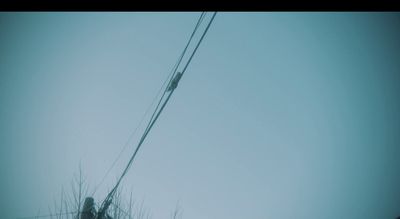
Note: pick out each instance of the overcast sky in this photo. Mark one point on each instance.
(279, 115)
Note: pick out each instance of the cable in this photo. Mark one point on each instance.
(198, 44)
(178, 63)
(107, 200)
(129, 139)
(170, 94)
(170, 77)
(111, 193)
(152, 117)
(151, 122)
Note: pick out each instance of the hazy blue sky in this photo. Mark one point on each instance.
(280, 115)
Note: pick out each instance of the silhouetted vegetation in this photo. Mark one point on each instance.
(71, 204)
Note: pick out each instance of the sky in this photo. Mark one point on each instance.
(279, 115)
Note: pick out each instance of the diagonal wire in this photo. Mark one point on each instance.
(198, 44)
(166, 101)
(108, 199)
(177, 64)
(170, 77)
(151, 123)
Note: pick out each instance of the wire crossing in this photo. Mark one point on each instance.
(108, 200)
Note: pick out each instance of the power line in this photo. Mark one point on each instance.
(107, 200)
(178, 63)
(109, 196)
(126, 144)
(152, 121)
(198, 44)
(170, 77)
